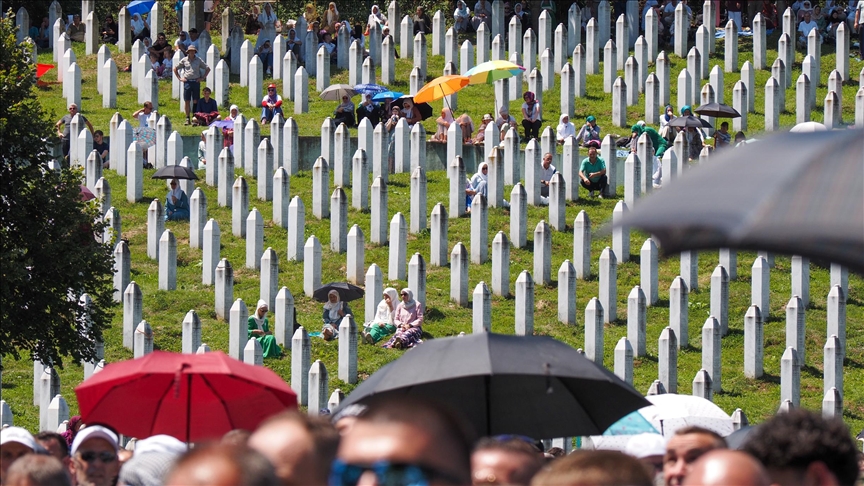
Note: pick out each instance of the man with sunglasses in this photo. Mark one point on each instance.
(404, 440)
(94, 457)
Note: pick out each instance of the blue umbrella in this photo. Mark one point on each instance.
(140, 7)
(631, 424)
(387, 95)
(369, 88)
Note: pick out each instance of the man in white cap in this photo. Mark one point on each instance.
(14, 443)
(649, 449)
(94, 457)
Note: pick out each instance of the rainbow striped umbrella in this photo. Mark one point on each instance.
(491, 71)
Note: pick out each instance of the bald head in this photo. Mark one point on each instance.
(722, 467)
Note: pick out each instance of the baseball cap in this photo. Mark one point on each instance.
(19, 435)
(94, 432)
(272, 85)
(645, 445)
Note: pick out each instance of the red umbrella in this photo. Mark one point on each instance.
(192, 397)
(86, 194)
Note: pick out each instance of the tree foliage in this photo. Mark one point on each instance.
(49, 255)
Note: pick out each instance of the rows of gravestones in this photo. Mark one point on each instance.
(278, 156)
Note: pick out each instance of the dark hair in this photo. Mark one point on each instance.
(101, 134)
(599, 468)
(515, 445)
(719, 441)
(798, 438)
(45, 436)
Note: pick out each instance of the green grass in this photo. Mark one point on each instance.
(165, 310)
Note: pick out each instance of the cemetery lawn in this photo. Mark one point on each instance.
(164, 311)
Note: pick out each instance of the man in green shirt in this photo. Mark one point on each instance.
(592, 173)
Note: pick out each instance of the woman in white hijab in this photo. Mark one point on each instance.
(259, 328)
(480, 180)
(565, 128)
(461, 17)
(408, 319)
(176, 203)
(376, 16)
(334, 310)
(382, 325)
(267, 19)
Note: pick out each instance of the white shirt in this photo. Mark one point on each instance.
(860, 12)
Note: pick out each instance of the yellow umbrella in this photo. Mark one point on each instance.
(440, 87)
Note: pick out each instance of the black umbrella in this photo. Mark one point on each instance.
(174, 172)
(803, 194)
(718, 110)
(347, 292)
(528, 385)
(689, 121)
(425, 108)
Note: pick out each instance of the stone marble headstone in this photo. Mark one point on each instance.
(667, 360)
(301, 350)
(311, 265)
(459, 275)
(608, 285)
(753, 342)
(224, 289)
(396, 269)
(594, 331)
(624, 360)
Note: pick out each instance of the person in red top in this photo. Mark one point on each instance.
(271, 105)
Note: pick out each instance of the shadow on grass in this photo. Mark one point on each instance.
(769, 378)
(433, 314)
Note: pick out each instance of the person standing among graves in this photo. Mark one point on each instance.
(101, 147)
(589, 133)
(547, 170)
(190, 71)
(408, 319)
(267, 19)
(259, 328)
(859, 27)
(176, 203)
(382, 324)
(76, 29)
(65, 123)
(206, 110)
(334, 310)
(390, 126)
(592, 173)
(531, 115)
(209, 7)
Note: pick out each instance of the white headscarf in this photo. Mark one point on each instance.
(565, 130)
(259, 321)
(176, 192)
(461, 9)
(411, 302)
(333, 307)
(480, 176)
(385, 310)
(230, 111)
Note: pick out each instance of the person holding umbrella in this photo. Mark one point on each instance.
(176, 203)
(334, 310)
(259, 328)
(408, 319)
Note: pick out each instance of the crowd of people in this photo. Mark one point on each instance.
(414, 440)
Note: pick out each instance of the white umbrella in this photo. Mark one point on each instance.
(807, 127)
(671, 412)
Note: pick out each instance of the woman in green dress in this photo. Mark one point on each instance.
(382, 325)
(259, 328)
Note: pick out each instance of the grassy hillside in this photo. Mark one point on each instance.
(165, 310)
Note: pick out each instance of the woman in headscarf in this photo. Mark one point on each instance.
(228, 133)
(293, 43)
(411, 113)
(443, 123)
(478, 183)
(368, 109)
(589, 133)
(480, 138)
(382, 325)
(564, 129)
(668, 115)
(331, 18)
(467, 124)
(531, 115)
(140, 29)
(259, 328)
(72, 429)
(518, 12)
(310, 14)
(334, 310)
(408, 319)
(344, 113)
(176, 203)
(461, 17)
(390, 126)
(267, 19)
(376, 16)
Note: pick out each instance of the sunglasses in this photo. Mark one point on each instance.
(104, 456)
(388, 474)
(173, 183)
(403, 294)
